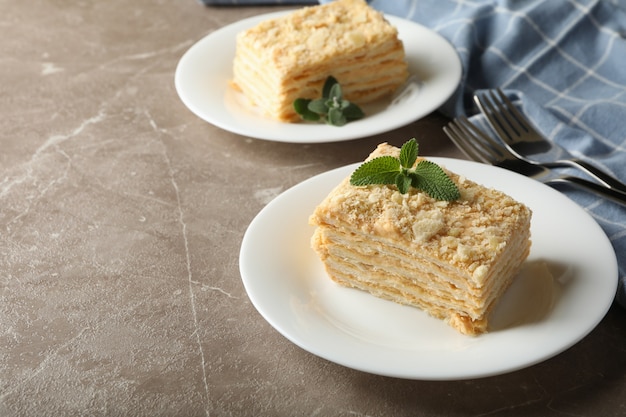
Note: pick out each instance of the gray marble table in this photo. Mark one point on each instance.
(121, 218)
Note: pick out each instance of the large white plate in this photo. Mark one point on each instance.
(204, 71)
(286, 283)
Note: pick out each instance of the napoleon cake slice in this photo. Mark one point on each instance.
(453, 259)
(290, 57)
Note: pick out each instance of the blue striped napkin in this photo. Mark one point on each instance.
(563, 60)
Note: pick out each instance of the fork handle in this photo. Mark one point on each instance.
(616, 196)
(597, 173)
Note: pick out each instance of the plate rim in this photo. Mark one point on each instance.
(600, 311)
(306, 133)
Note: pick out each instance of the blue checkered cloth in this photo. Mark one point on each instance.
(564, 61)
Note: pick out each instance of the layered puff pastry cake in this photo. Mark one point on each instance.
(290, 57)
(453, 259)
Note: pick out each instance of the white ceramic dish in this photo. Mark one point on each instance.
(204, 71)
(286, 282)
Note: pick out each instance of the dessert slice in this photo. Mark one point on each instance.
(290, 57)
(453, 259)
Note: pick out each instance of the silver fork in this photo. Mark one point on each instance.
(477, 145)
(521, 138)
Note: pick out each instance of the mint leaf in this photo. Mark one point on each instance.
(335, 93)
(408, 153)
(430, 178)
(353, 112)
(336, 117)
(301, 106)
(318, 106)
(403, 182)
(331, 107)
(381, 170)
(389, 170)
(328, 85)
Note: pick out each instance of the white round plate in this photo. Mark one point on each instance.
(205, 70)
(286, 283)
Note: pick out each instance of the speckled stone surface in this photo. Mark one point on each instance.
(121, 218)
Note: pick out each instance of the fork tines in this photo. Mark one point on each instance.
(473, 142)
(502, 114)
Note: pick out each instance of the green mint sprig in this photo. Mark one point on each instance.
(331, 108)
(425, 176)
